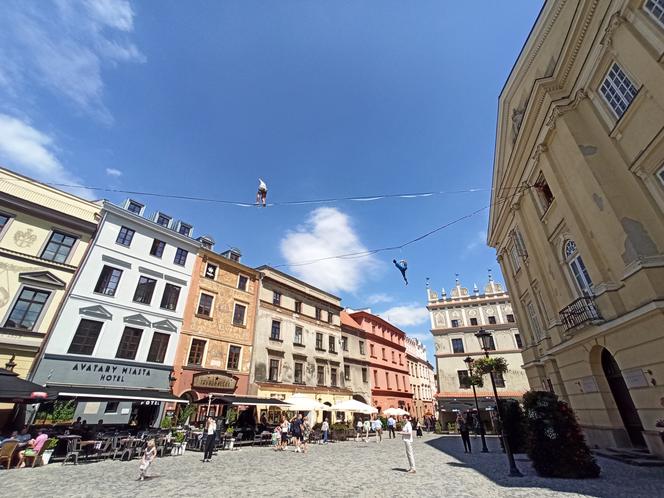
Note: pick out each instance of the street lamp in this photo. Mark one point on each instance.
(486, 344)
(469, 363)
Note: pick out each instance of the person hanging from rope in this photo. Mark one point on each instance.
(402, 266)
(261, 195)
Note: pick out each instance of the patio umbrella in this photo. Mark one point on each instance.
(395, 412)
(302, 403)
(352, 405)
(15, 390)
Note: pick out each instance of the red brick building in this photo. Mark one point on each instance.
(390, 386)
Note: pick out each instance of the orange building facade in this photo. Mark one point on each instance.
(215, 348)
(390, 386)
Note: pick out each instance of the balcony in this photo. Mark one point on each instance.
(578, 312)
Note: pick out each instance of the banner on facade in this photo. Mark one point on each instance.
(214, 381)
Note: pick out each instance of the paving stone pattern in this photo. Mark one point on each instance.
(339, 469)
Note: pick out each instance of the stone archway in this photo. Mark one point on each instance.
(360, 398)
(623, 399)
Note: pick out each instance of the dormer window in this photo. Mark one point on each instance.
(163, 220)
(185, 229)
(135, 207)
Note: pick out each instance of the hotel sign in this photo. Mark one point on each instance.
(214, 381)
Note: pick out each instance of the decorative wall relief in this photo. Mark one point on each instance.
(25, 238)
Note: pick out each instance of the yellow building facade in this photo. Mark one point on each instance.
(577, 212)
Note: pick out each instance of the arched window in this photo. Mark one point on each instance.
(577, 267)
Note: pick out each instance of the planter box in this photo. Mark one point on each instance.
(46, 456)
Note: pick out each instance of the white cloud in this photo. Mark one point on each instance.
(477, 241)
(407, 315)
(379, 298)
(327, 232)
(113, 172)
(63, 46)
(31, 151)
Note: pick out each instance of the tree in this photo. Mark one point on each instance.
(556, 444)
(514, 423)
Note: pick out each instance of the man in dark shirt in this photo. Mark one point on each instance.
(298, 434)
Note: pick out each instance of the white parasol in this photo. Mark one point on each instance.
(395, 412)
(352, 405)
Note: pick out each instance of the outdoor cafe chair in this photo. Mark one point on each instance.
(73, 449)
(7, 453)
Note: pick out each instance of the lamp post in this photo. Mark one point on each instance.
(486, 343)
(469, 363)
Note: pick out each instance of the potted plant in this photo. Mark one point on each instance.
(50, 445)
(180, 443)
(229, 442)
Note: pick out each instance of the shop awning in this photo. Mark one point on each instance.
(102, 393)
(16, 390)
(229, 399)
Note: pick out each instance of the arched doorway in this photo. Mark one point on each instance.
(328, 414)
(623, 399)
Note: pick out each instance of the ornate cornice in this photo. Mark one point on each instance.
(614, 22)
(559, 110)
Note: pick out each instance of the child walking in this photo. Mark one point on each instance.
(148, 457)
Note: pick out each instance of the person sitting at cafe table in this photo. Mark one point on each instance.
(77, 424)
(13, 438)
(33, 449)
(99, 427)
(24, 436)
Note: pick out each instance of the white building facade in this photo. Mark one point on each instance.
(455, 320)
(113, 345)
(421, 377)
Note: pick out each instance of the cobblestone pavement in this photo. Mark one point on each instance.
(339, 469)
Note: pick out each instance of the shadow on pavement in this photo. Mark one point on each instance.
(617, 479)
(400, 469)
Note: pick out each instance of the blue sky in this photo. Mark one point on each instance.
(323, 99)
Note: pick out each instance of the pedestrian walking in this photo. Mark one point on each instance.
(297, 432)
(366, 427)
(284, 434)
(378, 429)
(306, 432)
(358, 429)
(211, 435)
(148, 457)
(325, 428)
(407, 435)
(391, 424)
(462, 427)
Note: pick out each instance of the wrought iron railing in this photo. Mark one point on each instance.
(580, 311)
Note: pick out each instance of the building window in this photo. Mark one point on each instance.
(180, 257)
(499, 379)
(398, 386)
(125, 236)
(656, 9)
(27, 309)
(111, 407)
(457, 346)
(242, 282)
(196, 351)
(516, 259)
(320, 375)
(298, 307)
(473, 321)
(387, 380)
(519, 342)
(239, 313)
(376, 379)
(372, 351)
(578, 268)
(464, 379)
(492, 320)
(318, 313)
(297, 338)
(205, 305)
(344, 343)
(163, 220)
(184, 229)
(534, 321)
(332, 344)
(384, 354)
(618, 90)
(275, 332)
(660, 175)
(365, 377)
(108, 281)
(297, 373)
(58, 247)
(129, 342)
(273, 374)
(135, 207)
(85, 338)
(362, 347)
(211, 271)
(157, 248)
(519, 244)
(158, 347)
(330, 317)
(455, 323)
(233, 362)
(544, 194)
(346, 372)
(333, 377)
(491, 343)
(319, 341)
(4, 219)
(144, 290)
(510, 318)
(169, 300)
(276, 298)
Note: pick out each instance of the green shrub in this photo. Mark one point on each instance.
(556, 444)
(514, 424)
(451, 426)
(439, 428)
(166, 423)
